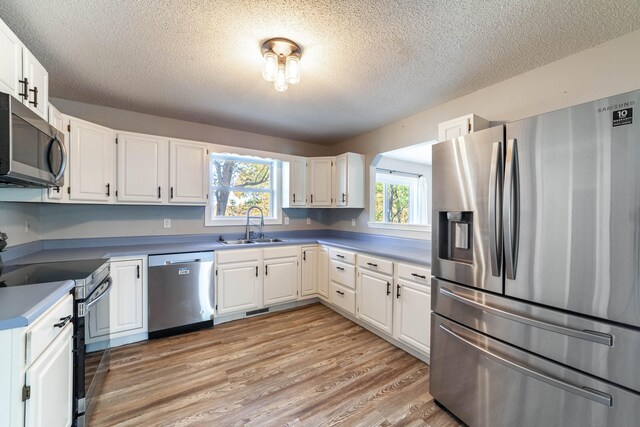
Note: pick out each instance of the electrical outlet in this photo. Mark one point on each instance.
(286, 220)
(167, 223)
(353, 222)
(308, 221)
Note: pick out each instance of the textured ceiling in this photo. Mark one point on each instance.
(364, 64)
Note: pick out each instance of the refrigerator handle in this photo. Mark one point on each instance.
(511, 209)
(495, 195)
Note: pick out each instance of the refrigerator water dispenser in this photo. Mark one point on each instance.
(456, 230)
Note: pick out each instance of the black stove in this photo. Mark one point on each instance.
(83, 272)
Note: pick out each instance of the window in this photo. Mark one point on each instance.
(239, 182)
(396, 199)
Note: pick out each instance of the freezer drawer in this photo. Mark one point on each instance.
(601, 349)
(485, 382)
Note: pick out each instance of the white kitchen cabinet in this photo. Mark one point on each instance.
(349, 182)
(322, 269)
(238, 280)
(374, 299)
(38, 93)
(412, 314)
(50, 382)
(188, 172)
(10, 62)
(298, 182)
(142, 162)
(320, 179)
(280, 280)
(91, 162)
(124, 312)
(56, 118)
(461, 126)
(309, 282)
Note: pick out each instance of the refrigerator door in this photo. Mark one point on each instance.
(572, 209)
(605, 350)
(467, 180)
(486, 382)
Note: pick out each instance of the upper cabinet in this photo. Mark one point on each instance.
(461, 126)
(188, 172)
(56, 118)
(142, 162)
(349, 182)
(21, 74)
(320, 179)
(298, 182)
(91, 162)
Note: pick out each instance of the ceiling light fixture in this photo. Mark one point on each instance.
(281, 62)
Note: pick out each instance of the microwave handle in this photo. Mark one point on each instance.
(63, 163)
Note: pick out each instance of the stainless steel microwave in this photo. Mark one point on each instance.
(32, 152)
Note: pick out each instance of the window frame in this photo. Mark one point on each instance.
(274, 217)
(389, 179)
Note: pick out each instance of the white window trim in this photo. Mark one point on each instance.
(396, 226)
(277, 197)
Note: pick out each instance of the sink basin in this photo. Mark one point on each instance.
(268, 240)
(237, 242)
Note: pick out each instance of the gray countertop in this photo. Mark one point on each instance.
(417, 254)
(22, 305)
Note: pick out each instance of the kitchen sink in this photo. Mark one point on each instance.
(237, 242)
(268, 240)
(249, 241)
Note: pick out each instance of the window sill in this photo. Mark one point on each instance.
(229, 222)
(406, 227)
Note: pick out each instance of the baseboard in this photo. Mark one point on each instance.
(271, 309)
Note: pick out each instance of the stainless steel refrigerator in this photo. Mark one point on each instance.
(536, 265)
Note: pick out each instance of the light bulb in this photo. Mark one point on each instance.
(281, 82)
(292, 69)
(269, 66)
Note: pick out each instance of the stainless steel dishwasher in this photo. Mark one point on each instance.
(181, 293)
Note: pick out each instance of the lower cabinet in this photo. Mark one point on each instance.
(322, 272)
(50, 381)
(375, 299)
(238, 280)
(125, 311)
(309, 282)
(280, 279)
(412, 321)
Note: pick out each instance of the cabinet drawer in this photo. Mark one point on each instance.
(414, 273)
(344, 256)
(375, 264)
(342, 273)
(238, 255)
(342, 297)
(281, 252)
(43, 331)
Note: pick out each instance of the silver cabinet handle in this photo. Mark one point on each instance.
(495, 200)
(595, 337)
(511, 209)
(586, 392)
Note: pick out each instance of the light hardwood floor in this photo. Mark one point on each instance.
(304, 367)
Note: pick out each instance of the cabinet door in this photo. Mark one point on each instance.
(38, 95)
(320, 171)
(298, 181)
(309, 272)
(280, 280)
(91, 162)
(56, 118)
(322, 267)
(454, 128)
(142, 165)
(127, 297)
(375, 300)
(238, 287)
(412, 323)
(188, 172)
(341, 192)
(10, 62)
(50, 378)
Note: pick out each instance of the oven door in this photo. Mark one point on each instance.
(95, 358)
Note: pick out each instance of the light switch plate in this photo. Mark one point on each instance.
(286, 220)
(308, 221)
(167, 223)
(353, 222)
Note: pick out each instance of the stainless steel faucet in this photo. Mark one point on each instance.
(248, 234)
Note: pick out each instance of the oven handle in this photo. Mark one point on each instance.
(90, 304)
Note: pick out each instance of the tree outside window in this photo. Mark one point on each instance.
(395, 199)
(239, 182)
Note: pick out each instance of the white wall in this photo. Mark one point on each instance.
(608, 69)
(13, 219)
